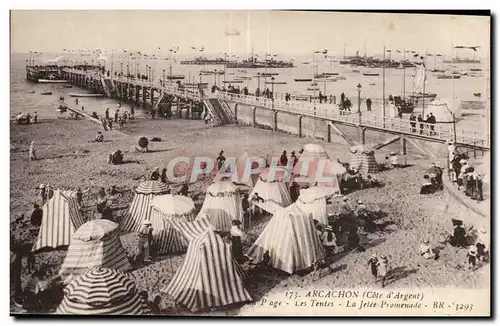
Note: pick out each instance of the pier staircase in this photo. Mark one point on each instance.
(107, 85)
(220, 112)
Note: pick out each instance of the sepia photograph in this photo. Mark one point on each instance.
(250, 163)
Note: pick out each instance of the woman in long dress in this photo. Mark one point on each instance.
(32, 152)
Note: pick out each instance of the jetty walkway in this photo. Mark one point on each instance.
(224, 107)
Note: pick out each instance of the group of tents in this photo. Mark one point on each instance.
(210, 276)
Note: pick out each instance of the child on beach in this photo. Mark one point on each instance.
(32, 152)
(373, 265)
(383, 266)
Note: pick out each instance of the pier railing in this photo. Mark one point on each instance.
(438, 131)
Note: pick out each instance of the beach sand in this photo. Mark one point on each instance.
(68, 160)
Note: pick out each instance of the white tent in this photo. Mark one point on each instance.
(222, 205)
(319, 166)
(312, 201)
(290, 239)
(165, 208)
(273, 189)
(443, 110)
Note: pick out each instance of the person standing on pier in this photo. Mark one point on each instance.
(368, 104)
(432, 121)
(420, 120)
(413, 118)
(107, 113)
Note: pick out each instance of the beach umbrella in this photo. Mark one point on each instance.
(154, 187)
(143, 142)
(102, 291)
(173, 204)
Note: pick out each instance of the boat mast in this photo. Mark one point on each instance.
(425, 80)
(383, 85)
(404, 74)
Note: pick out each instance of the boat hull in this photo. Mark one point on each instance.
(52, 81)
(85, 95)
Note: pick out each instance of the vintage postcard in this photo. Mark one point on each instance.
(250, 163)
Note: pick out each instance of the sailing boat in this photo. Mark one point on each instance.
(419, 82)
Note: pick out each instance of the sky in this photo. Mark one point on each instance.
(286, 33)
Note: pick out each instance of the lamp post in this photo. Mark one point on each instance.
(359, 102)
(272, 93)
(163, 79)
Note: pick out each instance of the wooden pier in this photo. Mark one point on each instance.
(224, 106)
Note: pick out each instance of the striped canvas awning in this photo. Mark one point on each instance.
(192, 230)
(209, 276)
(102, 291)
(96, 243)
(152, 187)
(61, 218)
(276, 192)
(140, 209)
(291, 240)
(222, 210)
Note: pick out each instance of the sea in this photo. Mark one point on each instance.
(26, 96)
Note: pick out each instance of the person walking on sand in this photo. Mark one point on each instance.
(76, 102)
(116, 115)
(373, 265)
(35, 117)
(107, 113)
(143, 243)
(43, 193)
(383, 266)
(472, 257)
(32, 152)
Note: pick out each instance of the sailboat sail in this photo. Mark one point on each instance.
(419, 80)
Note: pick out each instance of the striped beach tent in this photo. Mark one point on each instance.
(291, 240)
(192, 230)
(222, 204)
(166, 238)
(363, 160)
(61, 218)
(312, 201)
(209, 276)
(314, 164)
(102, 291)
(96, 243)
(140, 209)
(273, 188)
